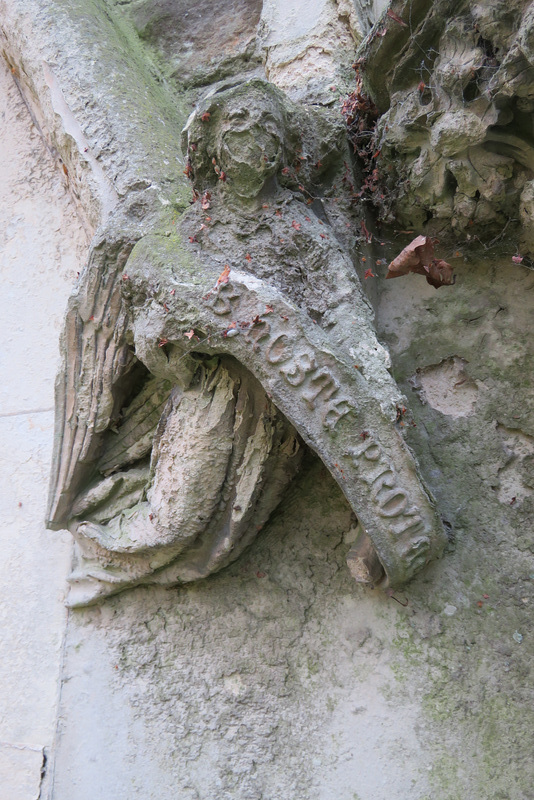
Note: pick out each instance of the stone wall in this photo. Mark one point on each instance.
(42, 247)
(278, 677)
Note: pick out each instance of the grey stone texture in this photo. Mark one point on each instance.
(279, 676)
(454, 85)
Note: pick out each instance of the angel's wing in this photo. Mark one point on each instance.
(88, 388)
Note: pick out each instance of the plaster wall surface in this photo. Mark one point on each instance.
(41, 246)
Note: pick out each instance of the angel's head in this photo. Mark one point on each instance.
(238, 137)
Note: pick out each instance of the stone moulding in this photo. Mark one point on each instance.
(189, 384)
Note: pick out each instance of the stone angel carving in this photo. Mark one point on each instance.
(198, 367)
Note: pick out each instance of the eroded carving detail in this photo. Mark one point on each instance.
(454, 86)
(299, 367)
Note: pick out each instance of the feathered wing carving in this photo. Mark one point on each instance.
(88, 388)
(135, 475)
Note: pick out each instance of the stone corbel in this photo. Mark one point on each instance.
(190, 383)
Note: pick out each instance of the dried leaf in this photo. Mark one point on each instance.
(206, 197)
(368, 235)
(391, 14)
(420, 251)
(223, 277)
(418, 257)
(440, 273)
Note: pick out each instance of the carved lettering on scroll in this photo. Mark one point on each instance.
(298, 364)
(391, 501)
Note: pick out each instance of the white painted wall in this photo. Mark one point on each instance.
(41, 248)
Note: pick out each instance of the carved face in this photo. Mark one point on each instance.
(237, 136)
(250, 150)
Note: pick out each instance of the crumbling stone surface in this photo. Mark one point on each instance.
(193, 47)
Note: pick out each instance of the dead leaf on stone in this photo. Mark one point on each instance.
(418, 257)
(420, 251)
(391, 14)
(224, 276)
(440, 273)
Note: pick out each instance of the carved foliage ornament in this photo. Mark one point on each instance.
(454, 87)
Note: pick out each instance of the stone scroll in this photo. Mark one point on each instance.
(327, 399)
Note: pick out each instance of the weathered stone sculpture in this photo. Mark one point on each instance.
(453, 83)
(204, 348)
(194, 456)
